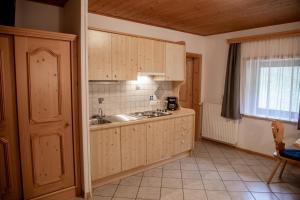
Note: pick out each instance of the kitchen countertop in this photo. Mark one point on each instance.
(178, 113)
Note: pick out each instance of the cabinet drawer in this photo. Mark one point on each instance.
(184, 123)
(183, 144)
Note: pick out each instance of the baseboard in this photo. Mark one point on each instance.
(239, 148)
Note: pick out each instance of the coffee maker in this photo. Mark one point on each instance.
(172, 103)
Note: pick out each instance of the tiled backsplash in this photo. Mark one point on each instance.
(128, 96)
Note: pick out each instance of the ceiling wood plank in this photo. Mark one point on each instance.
(202, 17)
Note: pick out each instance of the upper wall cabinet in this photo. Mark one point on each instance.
(99, 44)
(151, 56)
(175, 62)
(120, 57)
(124, 57)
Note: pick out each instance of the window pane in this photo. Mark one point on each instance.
(275, 91)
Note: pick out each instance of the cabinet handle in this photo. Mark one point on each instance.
(134, 129)
(107, 75)
(182, 142)
(115, 76)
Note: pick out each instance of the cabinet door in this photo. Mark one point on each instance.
(10, 185)
(133, 146)
(145, 55)
(159, 140)
(124, 57)
(43, 77)
(105, 153)
(159, 57)
(175, 62)
(184, 133)
(99, 58)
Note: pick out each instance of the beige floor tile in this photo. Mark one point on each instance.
(252, 162)
(236, 161)
(171, 194)
(148, 193)
(224, 168)
(192, 184)
(281, 188)
(189, 166)
(157, 172)
(213, 185)
(117, 198)
(220, 161)
(210, 175)
(241, 196)
(288, 196)
(207, 166)
(235, 186)
(257, 187)
(151, 182)
(126, 192)
(229, 176)
(172, 165)
(217, 195)
(172, 183)
(190, 174)
(264, 196)
(101, 198)
(171, 173)
(194, 194)
(106, 190)
(131, 181)
(248, 176)
(242, 168)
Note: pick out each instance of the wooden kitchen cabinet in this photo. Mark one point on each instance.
(159, 56)
(151, 56)
(160, 140)
(145, 55)
(133, 146)
(105, 152)
(184, 131)
(46, 96)
(175, 62)
(100, 55)
(124, 57)
(10, 176)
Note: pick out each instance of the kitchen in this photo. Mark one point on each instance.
(124, 100)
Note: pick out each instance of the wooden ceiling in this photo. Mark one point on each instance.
(202, 17)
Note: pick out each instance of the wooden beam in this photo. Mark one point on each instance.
(266, 36)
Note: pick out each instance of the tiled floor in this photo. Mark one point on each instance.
(214, 172)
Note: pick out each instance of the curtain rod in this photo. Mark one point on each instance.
(295, 32)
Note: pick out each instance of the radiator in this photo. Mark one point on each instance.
(216, 127)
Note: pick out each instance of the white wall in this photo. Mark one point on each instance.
(254, 134)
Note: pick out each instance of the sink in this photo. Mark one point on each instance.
(98, 120)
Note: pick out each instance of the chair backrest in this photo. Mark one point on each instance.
(278, 133)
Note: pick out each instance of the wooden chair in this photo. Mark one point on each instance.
(282, 154)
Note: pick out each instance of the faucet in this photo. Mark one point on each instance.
(100, 112)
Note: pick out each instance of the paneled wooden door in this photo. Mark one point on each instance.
(43, 77)
(190, 89)
(10, 179)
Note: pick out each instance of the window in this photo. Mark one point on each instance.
(271, 88)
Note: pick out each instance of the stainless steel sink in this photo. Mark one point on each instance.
(99, 120)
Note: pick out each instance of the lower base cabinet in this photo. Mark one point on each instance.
(115, 150)
(160, 139)
(133, 142)
(105, 152)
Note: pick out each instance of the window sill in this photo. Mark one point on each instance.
(268, 119)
